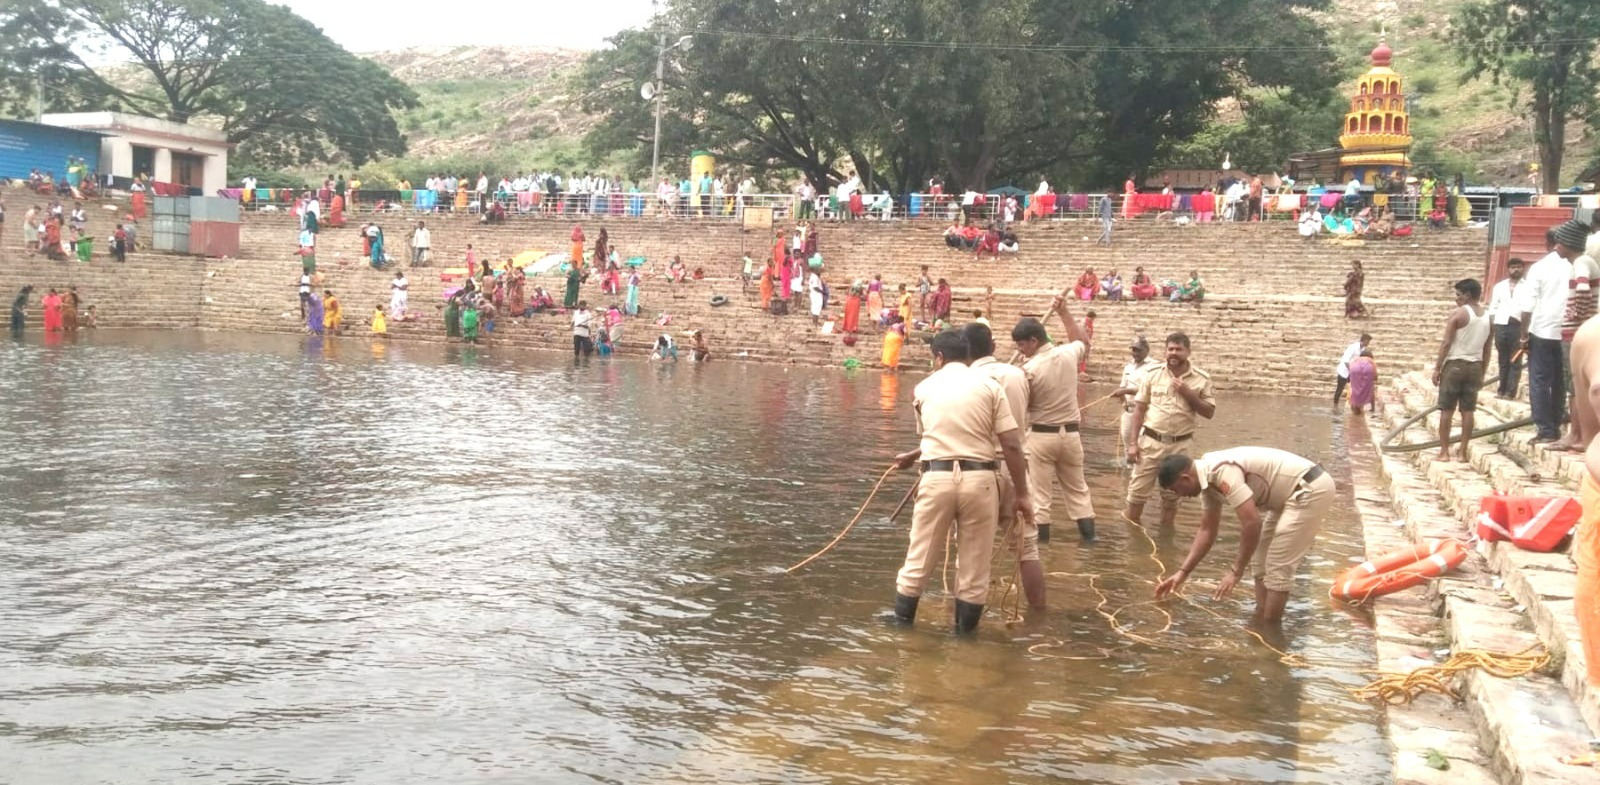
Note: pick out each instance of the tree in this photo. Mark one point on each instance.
(280, 88)
(980, 91)
(1547, 46)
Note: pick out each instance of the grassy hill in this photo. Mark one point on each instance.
(514, 108)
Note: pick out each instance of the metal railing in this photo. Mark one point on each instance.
(931, 207)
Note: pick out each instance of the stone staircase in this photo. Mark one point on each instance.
(1272, 323)
(1503, 600)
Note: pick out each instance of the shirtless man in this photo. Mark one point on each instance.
(1586, 544)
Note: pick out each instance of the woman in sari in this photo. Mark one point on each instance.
(69, 310)
(875, 298)
(1353, 284)
(315, 320)
(893, 340)
(138, 198)
(336, 211)
(602, 247)
(1111, 286)
(1363, 380)
(768, 270)
(786, 273)
(574, 278)
(852, 310)
(52, 240)
(1383, 227)
(631, 305)
(577, 250)
(452, 316)
(814, 290)
(469, 322)
(52, 312)
(1144, 288)
(461, 197)
(376, 235)
(1088, 284)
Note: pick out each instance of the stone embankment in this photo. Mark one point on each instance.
(1504, 600)
(1274, 321)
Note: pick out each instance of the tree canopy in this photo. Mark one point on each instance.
(978, 91)
(281, 89)
(1547, 47)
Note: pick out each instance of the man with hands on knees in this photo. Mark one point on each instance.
(1256, 482)
(961, 414)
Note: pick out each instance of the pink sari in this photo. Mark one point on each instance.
(1363, 381)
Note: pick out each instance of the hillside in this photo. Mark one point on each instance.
(514, 108)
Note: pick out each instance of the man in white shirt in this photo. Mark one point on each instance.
(1507, 328)
(582, 323)
(1351, 352)
(1231, 199)
(421, 241)
(250, 185)
(1542, 300)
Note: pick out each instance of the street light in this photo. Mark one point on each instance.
(652, 91)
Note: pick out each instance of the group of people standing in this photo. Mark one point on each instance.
(63, 311)
(995, 440)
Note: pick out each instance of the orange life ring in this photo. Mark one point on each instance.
(1398, 570)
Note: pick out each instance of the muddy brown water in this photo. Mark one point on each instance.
(232, 558)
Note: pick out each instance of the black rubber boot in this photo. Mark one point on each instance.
(1086, 529)
(967, 616)
(905, 609)
(1044, 532)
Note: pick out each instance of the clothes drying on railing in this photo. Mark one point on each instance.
(426, 200)
(1287, 203)
(1145, 203)
(1078, 203)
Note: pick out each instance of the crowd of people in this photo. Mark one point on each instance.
(62, 311)
(58, 234)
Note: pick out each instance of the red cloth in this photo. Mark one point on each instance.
(1205, 202)
(1141, 203)
(857, 209)
(138, 205)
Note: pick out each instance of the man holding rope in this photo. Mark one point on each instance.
(1055, 450)
(961, 415)
(1255, 482)
(1165, 409)
(1023, 535)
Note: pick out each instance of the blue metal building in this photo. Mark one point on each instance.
(25, 147)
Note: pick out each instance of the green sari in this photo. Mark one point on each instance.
(452, 319)
(573, 279)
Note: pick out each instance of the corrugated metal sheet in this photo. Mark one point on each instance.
(25, 147)
(214, 209)
(1500, 228)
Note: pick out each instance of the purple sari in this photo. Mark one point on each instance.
(1363, 380)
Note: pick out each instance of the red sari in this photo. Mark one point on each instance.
(1088, 284)
(852, 312)
(138, 205)
(52, 313)
(336, 211)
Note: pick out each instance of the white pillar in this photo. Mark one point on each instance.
(215, 173)
(163, 167)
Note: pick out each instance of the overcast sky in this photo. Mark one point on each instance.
(368, 25)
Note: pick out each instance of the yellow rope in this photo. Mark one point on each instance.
(848, 526)
(1399, 689)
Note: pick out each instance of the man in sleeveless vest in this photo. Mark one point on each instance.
(1463, 356)
(1256, 482)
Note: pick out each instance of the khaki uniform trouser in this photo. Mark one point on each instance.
(1054, 457)
(1143, 482)
(970, 502)
(1292, 533)
(1026, 547)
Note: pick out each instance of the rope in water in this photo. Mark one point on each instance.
(853, 521)
(1399, 689)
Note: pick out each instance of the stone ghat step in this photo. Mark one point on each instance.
(1541, 583)
(1525, 724)
(1406, 628)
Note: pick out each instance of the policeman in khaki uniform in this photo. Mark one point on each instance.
(1165, 408)
(1055, 451)
(1255, 482)
(1024, 538)
(961, 415)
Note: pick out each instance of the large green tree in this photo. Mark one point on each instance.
(1546, 47)
(280, 88)
(977, 91)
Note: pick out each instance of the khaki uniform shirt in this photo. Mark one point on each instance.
(1235, 476)
(1134, 373)
(960, 412)
(1167, 413)
(1053, 383)
(1013, 382)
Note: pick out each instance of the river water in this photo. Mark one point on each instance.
(232, 559)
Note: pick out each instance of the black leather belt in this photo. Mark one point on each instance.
(966, 466)
(1070, 427)
(1312, 474)
(1167, 439)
